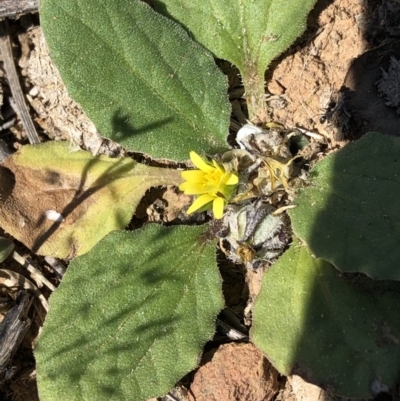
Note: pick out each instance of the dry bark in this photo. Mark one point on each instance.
(14, 328)
(15, 8)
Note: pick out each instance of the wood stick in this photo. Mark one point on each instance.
(15, 8)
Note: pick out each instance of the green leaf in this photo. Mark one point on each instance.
(250, 34)
(130, 317)
(349, 214)
(335, 332)
(89, 195)
(138, 76)
(6, 248)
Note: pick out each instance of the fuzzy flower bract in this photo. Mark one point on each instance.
(213, 185)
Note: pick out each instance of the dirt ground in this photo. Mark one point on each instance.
(337, 82)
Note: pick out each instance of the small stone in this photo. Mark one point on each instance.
(34, 92)
(236, 372)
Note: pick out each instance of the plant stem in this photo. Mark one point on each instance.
(255, 94)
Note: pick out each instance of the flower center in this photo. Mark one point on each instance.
(213, 181)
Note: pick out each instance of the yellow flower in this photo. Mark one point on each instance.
(211, 182)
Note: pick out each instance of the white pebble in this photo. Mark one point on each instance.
(54, 216)
(246, 130)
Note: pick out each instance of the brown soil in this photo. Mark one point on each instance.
(312, 77)
(338, 81)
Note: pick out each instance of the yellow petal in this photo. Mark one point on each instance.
(200, 202)
(200, 163)
(233, 179)
(218, 167)
(192, 188)
(218, 207)
(197, 176)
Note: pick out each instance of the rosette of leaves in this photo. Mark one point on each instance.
(136, 310)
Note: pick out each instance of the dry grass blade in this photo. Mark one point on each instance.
(15, 86)
(36, 275)
(11, 279)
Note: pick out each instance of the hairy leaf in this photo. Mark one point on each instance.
(65, 201)
(130, 317)
(349, 214)
(337, 332)
(250, 34)
(138, 76)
